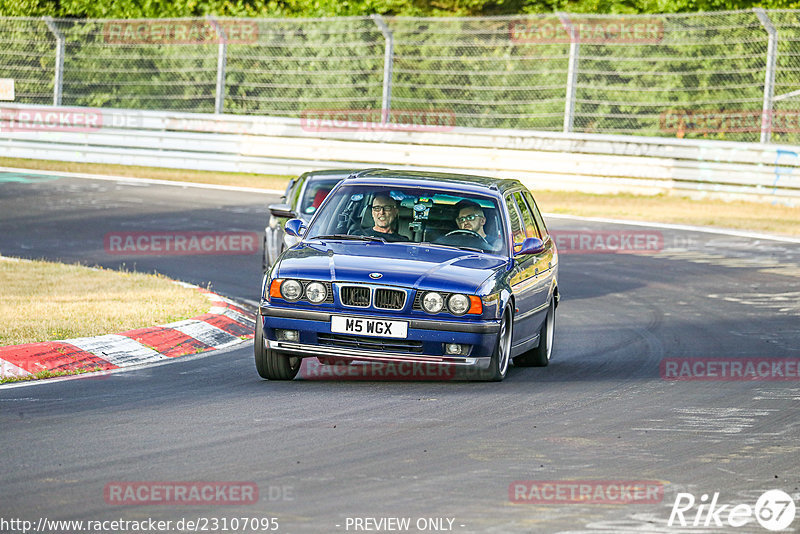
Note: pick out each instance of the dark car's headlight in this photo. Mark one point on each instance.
(316, 292)
(432, 302)
(458, 304)
(291, 290)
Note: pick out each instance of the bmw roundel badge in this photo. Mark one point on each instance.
(375, 276)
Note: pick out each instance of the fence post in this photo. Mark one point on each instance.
(769, 78)
(388, 64)
(58, 80)
(222, 56)
(572, 70)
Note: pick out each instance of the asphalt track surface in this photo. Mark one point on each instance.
(323, 451)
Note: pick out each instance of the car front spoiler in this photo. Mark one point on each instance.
(311, 351)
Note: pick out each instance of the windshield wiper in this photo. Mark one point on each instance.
(471, 249)
(350, 237)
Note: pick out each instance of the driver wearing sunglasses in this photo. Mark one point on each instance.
(470, 217)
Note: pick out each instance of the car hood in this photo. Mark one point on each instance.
(400, 264)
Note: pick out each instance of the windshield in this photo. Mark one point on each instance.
(314, 194)
(412, 215)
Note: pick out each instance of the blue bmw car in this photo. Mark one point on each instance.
(445, 270)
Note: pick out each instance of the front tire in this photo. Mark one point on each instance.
(540, 356)
(498, 367)
(269, 363)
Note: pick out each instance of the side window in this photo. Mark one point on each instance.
(517, 231)
(527, 217)
(536, 215)
(293, 199)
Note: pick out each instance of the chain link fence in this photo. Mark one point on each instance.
(725, 75)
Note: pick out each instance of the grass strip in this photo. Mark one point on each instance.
(46, 301)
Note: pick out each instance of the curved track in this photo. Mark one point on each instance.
(321, 451)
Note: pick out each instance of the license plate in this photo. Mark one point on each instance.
(369, 327)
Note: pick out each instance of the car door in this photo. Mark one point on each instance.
(531, 274)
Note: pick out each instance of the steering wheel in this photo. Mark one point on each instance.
(471, 233)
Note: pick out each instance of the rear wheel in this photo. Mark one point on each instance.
(270, 364)
(540, 356)
(498, 368)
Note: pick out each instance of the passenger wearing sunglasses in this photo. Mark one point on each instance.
(384, 213)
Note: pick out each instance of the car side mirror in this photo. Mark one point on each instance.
(531, 245)
(282, 211)
(295, 227)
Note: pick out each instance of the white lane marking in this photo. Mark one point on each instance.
(140, 181)
(117, 349)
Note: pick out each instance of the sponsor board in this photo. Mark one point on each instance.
(7, 89)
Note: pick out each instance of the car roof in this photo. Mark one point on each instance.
(329, 174)
(462, 182)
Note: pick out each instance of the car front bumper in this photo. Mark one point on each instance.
(315, 340)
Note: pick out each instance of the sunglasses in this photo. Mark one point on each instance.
(472, 217)
(384, 209)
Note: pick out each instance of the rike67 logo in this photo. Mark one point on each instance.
(774, 510)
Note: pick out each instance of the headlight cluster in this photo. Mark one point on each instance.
(294, 290)
(434, 302)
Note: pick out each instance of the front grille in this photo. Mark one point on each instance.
(389, 299)
(375, 344)
(354, 296)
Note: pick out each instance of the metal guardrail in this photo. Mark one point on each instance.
(279, 145)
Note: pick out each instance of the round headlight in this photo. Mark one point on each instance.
(458, 304)
(316, 292)
(291, 289)
(432, 302)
